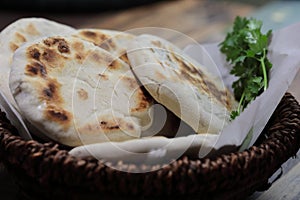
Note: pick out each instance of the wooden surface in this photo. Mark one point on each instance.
(203, 21)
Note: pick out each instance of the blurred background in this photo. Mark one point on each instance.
(203, 20)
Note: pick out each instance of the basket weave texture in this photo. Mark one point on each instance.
(47, 171)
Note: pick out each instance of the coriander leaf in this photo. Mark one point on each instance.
(254, 86)
(239, 59)
(260, 45)
(250, 37)
(250, 53)
(238, 70)
(239, 23)
(254, 24)
(246, 49)
(268, 64)
(234, 114)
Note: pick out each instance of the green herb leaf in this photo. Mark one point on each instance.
(246, 49)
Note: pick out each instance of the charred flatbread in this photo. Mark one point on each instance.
(181, 84)
(16, 34)
(78, 93)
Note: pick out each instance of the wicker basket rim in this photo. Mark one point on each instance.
(46, 163)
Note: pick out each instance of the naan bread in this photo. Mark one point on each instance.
(179, 83)
(164, 122)
(18, 33)
(115, 42)
(78, 93)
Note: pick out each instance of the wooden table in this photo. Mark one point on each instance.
(204, 21)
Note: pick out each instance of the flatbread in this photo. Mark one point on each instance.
(78, 93)
(179, 83)
(22, 31)
(164, 122)
(115, 42)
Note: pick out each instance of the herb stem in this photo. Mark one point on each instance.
(240, 103)
(264, 69)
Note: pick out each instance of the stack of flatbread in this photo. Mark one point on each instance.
(90, 85)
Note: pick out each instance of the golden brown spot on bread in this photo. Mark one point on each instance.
(63, 47)
(31, 70)
(104, 58)
(78, 46)
(48, 42)
(58, 115)
(52, 41)
(118, 124)
(115, 65)
(109, 126)
(88, 34)
(20, 38)
(103, 36)
(52, 58)
(78, 57)
(187, 66)
(54, 112)
(51, 92)
(143, 101)
(61, 43)
(95, 37)
(36, 69)
(34, 53)
(50, 55)
(13, 47)
(50, 95)
(32, 30)
(82, 94)
(124, 57)
(191, 73)
(79, 49)
(98, 38)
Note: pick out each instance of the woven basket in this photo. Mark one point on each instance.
(47, 171)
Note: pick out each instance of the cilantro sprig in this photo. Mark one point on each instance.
(246, 49)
